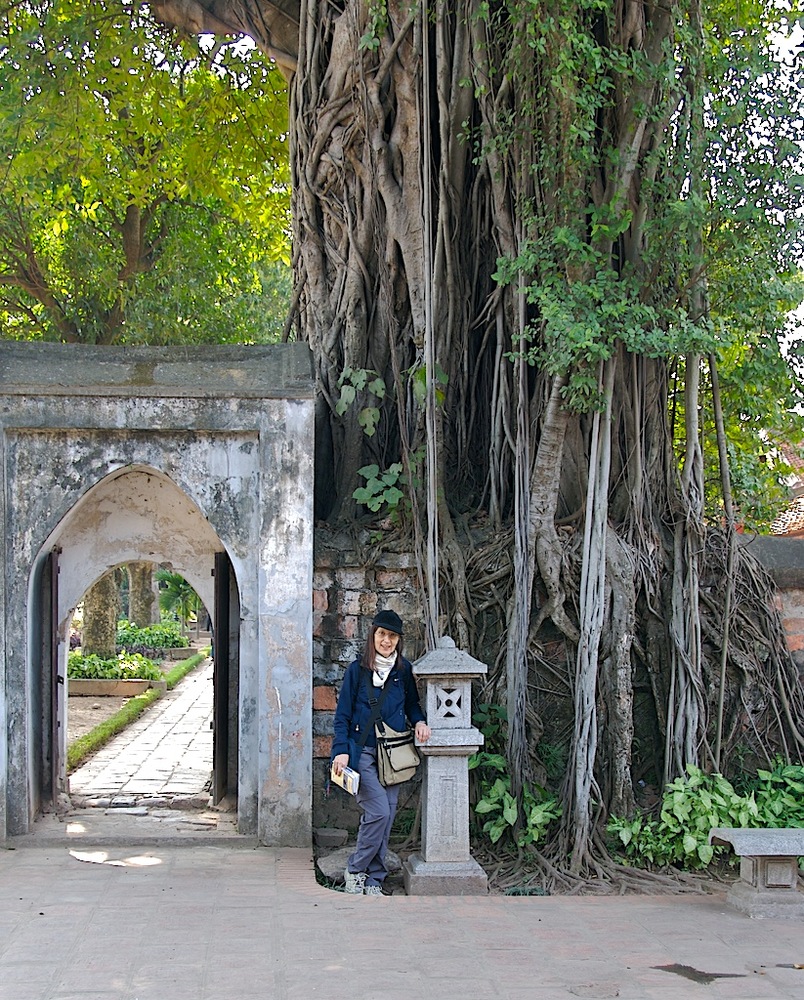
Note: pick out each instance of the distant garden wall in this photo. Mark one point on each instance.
(783, 558)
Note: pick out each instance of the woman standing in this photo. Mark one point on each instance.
(381, 668)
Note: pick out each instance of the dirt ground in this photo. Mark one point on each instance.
(83, 714)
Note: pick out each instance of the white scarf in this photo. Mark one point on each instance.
(383, 665)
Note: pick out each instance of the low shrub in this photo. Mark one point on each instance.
(524, 822)
(538, 808)
(691, 806)
(166, 635)
(124, 666)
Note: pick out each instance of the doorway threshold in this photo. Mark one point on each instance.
(121, 826)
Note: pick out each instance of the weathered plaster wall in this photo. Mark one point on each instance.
(169, 456)
(136, 512)
(285, 566)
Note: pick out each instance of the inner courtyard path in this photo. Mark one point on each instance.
(164, 757)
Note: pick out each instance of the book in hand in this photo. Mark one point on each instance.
(348, 779)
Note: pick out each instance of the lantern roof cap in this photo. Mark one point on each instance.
(447, 660)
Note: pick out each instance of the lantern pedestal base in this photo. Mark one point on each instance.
(444, 878)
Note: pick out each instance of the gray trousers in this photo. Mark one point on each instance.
(378, 808)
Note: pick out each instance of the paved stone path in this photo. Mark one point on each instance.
(164, 757)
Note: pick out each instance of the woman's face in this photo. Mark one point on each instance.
(385, 642)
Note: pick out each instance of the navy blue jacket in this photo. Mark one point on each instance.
(353, 711)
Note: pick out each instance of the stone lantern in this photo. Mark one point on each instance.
(445, 867)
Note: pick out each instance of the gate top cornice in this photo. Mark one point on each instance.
(269, 371)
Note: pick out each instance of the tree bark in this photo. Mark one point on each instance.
(101, 609)
(143, 602)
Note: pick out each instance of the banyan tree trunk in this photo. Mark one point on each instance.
(101, 609)
(143, 600)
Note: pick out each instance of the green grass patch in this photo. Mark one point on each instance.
(85, 746)
(184, 667)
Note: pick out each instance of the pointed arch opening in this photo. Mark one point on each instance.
(135, 515)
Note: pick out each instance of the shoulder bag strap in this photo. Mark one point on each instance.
(376, 706)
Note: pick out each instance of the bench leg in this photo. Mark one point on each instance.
(769, 873)
(768, 887)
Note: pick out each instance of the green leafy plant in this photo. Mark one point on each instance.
(525, 822)
(418, 381)
(381, 487)
(779, 795)
(365, 380)
(166, 635)
(176, 597)
(125, 666)
(538, 810)
(389, 492)
(693, 805)
(376, 27)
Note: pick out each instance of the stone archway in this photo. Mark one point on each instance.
(105, 448)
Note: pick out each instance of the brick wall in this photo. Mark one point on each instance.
(790, 601)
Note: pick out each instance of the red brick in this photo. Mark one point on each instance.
(351, 579)
(368, 603)
(325, 698)
(322, 746)
(320, 600)
(392, 579)
(795, 642)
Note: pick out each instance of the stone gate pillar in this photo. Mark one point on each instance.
(445, 867)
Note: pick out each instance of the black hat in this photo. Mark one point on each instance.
(389, 620)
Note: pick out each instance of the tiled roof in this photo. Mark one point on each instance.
(791, 520)
(793, 457)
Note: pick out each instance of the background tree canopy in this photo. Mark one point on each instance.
(543, 256)
(144, 195)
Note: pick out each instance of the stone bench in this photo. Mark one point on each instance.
(768, 884)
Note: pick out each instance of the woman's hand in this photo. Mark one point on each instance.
(422, 732)
(340, 762)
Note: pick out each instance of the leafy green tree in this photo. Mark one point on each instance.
(751, 250)
(144, 192)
